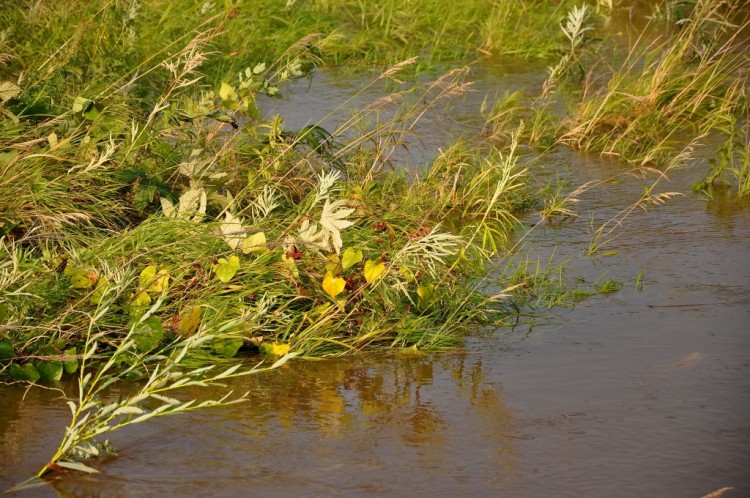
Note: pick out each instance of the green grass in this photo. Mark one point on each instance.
(151, 221)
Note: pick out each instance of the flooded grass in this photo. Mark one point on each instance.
(153, 225)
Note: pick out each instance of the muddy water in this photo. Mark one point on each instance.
(638, 393)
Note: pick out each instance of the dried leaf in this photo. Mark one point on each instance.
(309, 235)
(193, 204)
(78, 466)
(8, 90)
(333, 220)
(169, 210)
(232, 231)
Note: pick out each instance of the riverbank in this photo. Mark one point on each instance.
(155, 222)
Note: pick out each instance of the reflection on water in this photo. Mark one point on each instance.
(357, 425)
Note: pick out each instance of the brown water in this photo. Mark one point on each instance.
(636, 394)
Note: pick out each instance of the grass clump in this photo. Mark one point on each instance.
(152, 225)
(689, 84)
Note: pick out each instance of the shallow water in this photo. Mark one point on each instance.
(639, 393)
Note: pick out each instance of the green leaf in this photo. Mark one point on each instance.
(101, 288)
(78, 466)
(148, 334)
(407, 273)
(141, 299)
(70, 366)
(290, 266)
(7, 156)
(6, 350)
(426, 294)
(259, 68)
(144, 195)
(79, 278)
(226, 269)
(226, 347)
(333, 264)
(50, 371)
(285, 358)
(24, 372)
(8, 90)
(350, 258)
(82, 104)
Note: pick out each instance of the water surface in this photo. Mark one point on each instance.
(644, 392)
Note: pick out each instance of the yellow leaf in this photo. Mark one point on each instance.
(152, 281)
(274, 348)
(333, 285)
(255, 243)
(141, 298)
(373, 271)
(161, 282)
(189, 323)
(226, 270)
(426, 291)
(147, 277)
(226, 92)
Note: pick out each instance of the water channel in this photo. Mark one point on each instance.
(642, 392)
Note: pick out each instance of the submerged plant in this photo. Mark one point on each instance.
(93, 416)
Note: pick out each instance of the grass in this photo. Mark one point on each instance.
(153, 224)
(689, 84)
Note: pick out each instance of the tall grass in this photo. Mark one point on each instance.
(155, 224)
(692, 83)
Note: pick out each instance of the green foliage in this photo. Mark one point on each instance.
(147, 334)
(50, 371)
(6, 350)
(25, 372)
(690, 84)
(153, 224)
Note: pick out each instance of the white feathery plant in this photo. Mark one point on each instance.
(574, 28)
